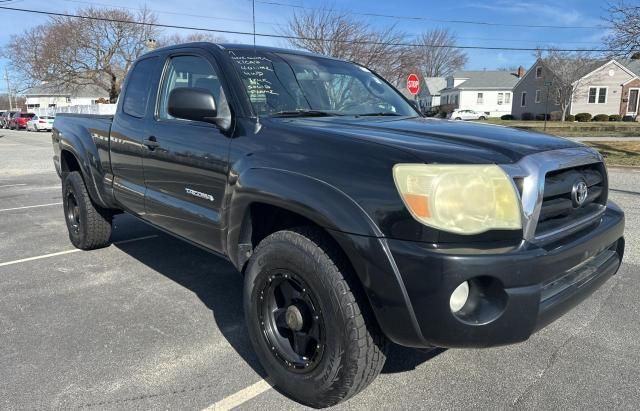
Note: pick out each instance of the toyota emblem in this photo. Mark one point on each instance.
(579, 193)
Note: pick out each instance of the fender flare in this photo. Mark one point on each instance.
(89, 163)
(316, 200)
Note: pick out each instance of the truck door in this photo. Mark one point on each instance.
(185, 162)
(128, 133)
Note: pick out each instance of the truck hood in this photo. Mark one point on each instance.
(435, 140)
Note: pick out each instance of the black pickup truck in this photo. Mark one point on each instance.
(354, 220)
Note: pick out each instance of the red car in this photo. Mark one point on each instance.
(19, 120)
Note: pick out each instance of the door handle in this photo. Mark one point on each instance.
(151, 143)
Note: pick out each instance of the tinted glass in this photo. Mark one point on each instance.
(277, 82)
(27, 115)
(192, 71)
(138, 87)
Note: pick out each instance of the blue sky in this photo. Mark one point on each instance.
(236, 15)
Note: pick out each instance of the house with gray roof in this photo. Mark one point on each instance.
(603, 87)
(487, 91)
(50, 96)
(433, 87)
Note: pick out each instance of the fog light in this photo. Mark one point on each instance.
(459, 297)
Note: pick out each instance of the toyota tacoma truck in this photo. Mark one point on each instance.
(354, 221)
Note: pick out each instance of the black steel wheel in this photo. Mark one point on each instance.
(89, 226)
(291, 321)
(308, 320)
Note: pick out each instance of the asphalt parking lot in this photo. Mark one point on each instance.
(154, 323)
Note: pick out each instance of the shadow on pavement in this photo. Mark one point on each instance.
(219, 286)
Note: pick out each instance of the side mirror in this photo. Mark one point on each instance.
(193, 103)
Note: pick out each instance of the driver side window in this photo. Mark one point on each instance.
(196, 72)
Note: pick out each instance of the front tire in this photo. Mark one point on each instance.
(482, 118)
(89, 225)
(311, 328)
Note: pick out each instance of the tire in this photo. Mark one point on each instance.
(482, 118)
(89, 225)
(348, 350)
(458, 118)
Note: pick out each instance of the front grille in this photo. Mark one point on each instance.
(558, 209)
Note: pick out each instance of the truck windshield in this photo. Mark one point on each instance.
(284, 84)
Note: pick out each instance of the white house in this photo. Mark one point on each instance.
(486, 91)
(50, 96)
(433, 88)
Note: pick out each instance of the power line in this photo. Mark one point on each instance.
(283, 36)
(420, 18)
(174, 13)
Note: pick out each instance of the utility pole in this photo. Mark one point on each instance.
(6, 77)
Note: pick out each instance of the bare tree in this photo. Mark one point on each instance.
(335, 33)
(73, 52)
(624, 19)
(438, 56)
(177, 38)
(567, 70)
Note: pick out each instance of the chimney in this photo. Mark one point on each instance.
(521, 72)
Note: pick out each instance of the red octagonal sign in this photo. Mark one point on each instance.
(413, 84)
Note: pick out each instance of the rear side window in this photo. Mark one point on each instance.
(138, 87)
(27, 115)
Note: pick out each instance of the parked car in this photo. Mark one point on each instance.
(39, 123)
(354, 220)
(6, 118)
(19, 120)
(467, 115)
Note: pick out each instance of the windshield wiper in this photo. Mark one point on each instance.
(381, 113)
(304, 113)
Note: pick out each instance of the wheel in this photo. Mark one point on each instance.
(458, 118)
(309, 324)
(89, 226)
(482, 118)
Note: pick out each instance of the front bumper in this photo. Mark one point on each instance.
(519, 290)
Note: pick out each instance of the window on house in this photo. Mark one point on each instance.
(602, 95)
(538, 72)
(52, 105)
(597, 95)
(538, 96)
(507, 98)
(500, 98)
(523, 99)
(455, 99)
(558, 97)
(68, 100)
(480, 99)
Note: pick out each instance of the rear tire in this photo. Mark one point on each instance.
(89, 225)
(482, 118)
(343, 349)
(458, 118)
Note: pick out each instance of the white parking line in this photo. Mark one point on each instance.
(75, 250)
(240, 397)
(33, 206)
(12, 185)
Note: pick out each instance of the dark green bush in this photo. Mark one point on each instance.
(628, 118)
(555, 116)
(506, 117)
(601, 117)
(615, 117)
(583, 117)
(526, 116)
(570, 117)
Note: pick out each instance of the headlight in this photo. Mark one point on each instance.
(462, 199)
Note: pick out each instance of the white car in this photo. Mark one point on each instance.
(39, 123)
(467, 115)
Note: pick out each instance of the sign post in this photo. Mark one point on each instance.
(548, 85)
